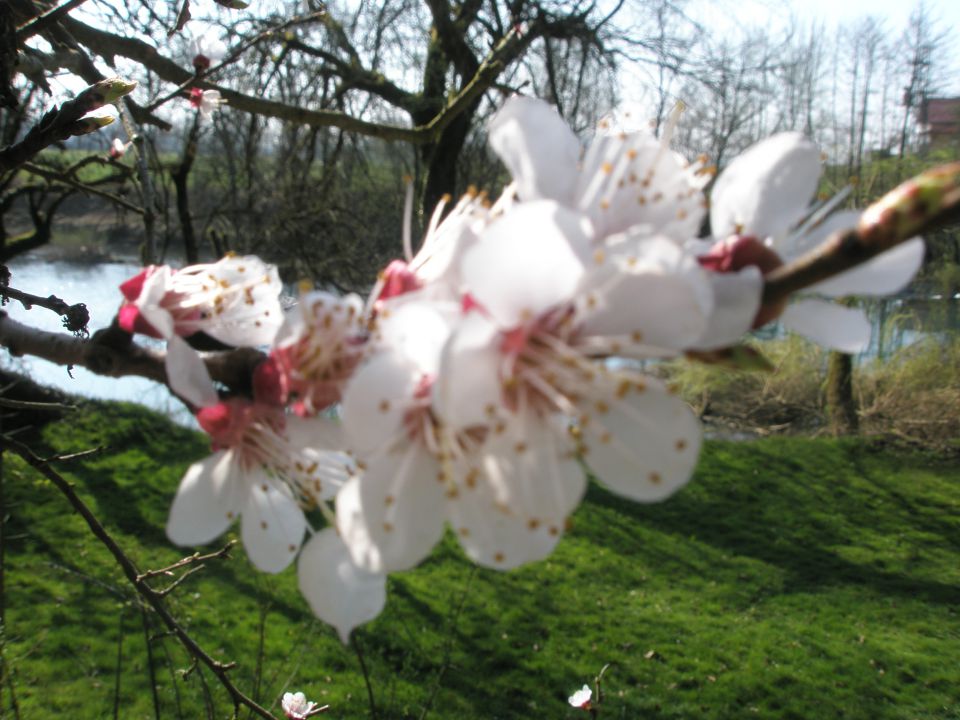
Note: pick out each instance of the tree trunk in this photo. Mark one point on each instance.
(841, 407)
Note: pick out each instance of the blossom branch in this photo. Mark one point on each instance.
(109, 45)
(65, 121)
(926, 202)
(112, 352)
(154, 598)
(233, 56)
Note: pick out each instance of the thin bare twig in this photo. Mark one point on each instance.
(354, 643)
(83, 187)
(75, 317)
(74, 456)
(154, 599)
(163, 592)
(448, 649)
(30, 405)
(194, 559)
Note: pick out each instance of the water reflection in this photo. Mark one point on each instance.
(95, 284)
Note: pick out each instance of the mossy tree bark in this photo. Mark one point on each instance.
(841, 406)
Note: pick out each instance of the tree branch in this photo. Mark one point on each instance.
(929, 201)
(112, 352)
(47, 19)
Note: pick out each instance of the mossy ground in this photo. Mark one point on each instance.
(793, 578)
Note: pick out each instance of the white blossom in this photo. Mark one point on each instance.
(581, 698)
(266, 467)
(765, 193)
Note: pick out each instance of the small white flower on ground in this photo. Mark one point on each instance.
(296, 706)
(581, 698)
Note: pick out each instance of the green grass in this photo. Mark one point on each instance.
(793, 578)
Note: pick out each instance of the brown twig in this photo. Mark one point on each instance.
(112, 352)
(62, 122)
(194, 559)
(83, 187)
(151, 596)
(926, 202)
(75, 317)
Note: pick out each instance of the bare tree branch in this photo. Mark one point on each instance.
(153, 597)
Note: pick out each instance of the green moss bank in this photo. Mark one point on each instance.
(793, 578)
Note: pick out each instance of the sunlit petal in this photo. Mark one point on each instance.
(468, 383)
(339, 593)
(391, 514)
(525, 262)
(885, 274)
(660, 298)
(828, 324)
(375, 401)
(187, 374)
(210, 497)
(736, 300)
(273, 525)
(538, 148)
(765, 190)
(493, 535)
(639, 440)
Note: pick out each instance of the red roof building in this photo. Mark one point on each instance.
(939, 122)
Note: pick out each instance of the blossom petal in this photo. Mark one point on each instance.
(828, 324)
(764, 191)
(210, 497)
(660, 298)
(531, 469)
(392, 514)
(526, 263)
(492, 534)
(339, 593)
(634, 179)
(251, 313)
(417, 330)
(887, 273)
(468, 383)
(155, 287)
(318, 463)
(273, 524)
(187, 374)
(736, 300)
(639, 440)
(538, 147)
(375, 401)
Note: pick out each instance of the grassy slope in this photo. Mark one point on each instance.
(793, 578)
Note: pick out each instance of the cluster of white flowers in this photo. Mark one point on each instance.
(485, 376)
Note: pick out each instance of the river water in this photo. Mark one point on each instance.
(897, 322)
